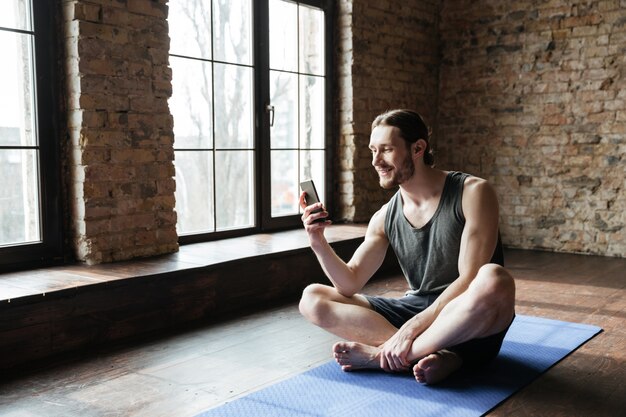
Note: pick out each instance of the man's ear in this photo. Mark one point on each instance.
(419, 147)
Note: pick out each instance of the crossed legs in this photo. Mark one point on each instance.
(484, 309)
(351, 318)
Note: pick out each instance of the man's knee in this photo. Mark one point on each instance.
(492, 296)
(314, 302)
(495, 282)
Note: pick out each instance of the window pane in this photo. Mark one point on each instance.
(311, 112)
(190, 28)
(233, 107)
(312, 167)
(283, 35)
(194, 192)
(311, 40)
(284, 98)
(16, 91)
(219, 116)
(190, 103)
(235, 193)
(285, 187)
(19, 197)
(297, 93)
(15, 14)
(232, 31)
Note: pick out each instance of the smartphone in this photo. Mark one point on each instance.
(311, 196)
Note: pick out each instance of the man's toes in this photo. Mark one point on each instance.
(416, 369)
(419, 376)
(341, 360)
(340, 347)
(429, 361)
(436, 367)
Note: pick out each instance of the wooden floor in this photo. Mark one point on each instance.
(64, 308)
(185, 373)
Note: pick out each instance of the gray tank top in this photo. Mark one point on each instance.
(429, 255)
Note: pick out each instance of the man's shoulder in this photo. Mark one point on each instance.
(377, 221)
(476, 185)
(478, 196)
(380, 214)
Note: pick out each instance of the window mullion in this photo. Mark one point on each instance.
(213, 154)
(263, 128)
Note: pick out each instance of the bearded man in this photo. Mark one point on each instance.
(443, 228)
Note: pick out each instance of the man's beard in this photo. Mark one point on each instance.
(403, 173)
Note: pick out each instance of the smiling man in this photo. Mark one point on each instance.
(443, 228)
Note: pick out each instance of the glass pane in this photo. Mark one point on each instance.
(312, 167)
(284, 98)
(233, 107)
(311, 112)
(283, 35)
(235, 194)
(15, 14)
(194, 192)
(190, 28)
(311, 40)
(232, 31)
(19, 197)
(191, 104)
(16, 91)
(285, 186)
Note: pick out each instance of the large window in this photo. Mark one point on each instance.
(250, 89)
(29, 200)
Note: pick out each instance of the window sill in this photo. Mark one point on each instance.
(45, 282)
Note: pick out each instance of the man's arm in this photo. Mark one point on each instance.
(478, 242)
(348, 278)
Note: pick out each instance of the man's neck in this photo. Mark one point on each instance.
(425, 185)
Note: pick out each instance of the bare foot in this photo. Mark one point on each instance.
(353, 356)
(436, 367)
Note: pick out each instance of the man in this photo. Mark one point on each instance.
(443, 227)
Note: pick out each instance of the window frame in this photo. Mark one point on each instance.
(278, 223)
(50, 250)
(262, 158)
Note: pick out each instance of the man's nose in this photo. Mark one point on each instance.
(375, 158)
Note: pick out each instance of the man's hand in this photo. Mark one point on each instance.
(395, 351)
(393, 356)
(311, 214)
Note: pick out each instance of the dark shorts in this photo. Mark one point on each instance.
(397, 311)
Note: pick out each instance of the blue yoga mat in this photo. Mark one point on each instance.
(531, 347)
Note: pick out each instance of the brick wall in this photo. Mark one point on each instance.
(120, 140)
(527, 94)
(387, 58)
(533, 98)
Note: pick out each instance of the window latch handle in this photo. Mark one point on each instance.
(270, 109)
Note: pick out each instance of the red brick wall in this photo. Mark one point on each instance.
(387, 58)
(532, 96)
(527, 94)
(120, 140)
